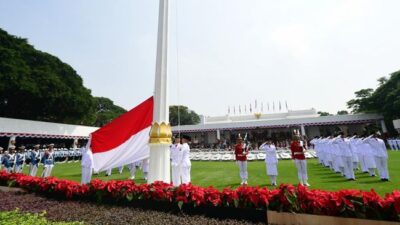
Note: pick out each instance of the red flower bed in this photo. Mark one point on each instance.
(287, 198)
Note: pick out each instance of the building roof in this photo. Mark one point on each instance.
(281, 123)
(29, 128)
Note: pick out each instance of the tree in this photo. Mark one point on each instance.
(185, 116)
(106, 111)
(384, 100)
(324, 113)
(342, 112)
(38, 86)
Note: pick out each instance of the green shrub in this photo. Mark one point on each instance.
(19, 218)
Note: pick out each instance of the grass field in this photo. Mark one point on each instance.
(224, 174)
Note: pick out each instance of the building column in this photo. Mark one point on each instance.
(303, 130)
(383, 126)
(12, 139)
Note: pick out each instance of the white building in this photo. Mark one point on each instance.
(25, 131)
(277, 126)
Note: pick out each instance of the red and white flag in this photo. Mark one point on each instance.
(124, 140)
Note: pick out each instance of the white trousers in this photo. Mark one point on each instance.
(108, 172)
(33, 170)
(382, 166)
(185, 171)
(132, 170)
(362, 163)
(120, 169)
(47, 170)
(243, 170)
(348, 167)
(176, 175)
(18, 169)
(301, 170)
(86, 174)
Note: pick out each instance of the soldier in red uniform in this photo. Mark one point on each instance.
(241, 159)
(297, 148)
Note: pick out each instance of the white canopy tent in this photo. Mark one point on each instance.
(37, 129)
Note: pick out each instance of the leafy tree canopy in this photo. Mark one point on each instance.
(38, 86)
(384, 100)
(186, 116)
(324, 113)
(343, 112)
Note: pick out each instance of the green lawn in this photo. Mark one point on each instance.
(224, 174)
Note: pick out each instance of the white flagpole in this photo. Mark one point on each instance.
(160, 134)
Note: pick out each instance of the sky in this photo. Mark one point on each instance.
(222, 53)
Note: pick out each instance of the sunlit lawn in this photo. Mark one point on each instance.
(224, 174)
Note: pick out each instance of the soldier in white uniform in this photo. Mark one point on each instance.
(392, 143)
(271, 161)
(34, 157)
(48, 161)
(347, 157)
(369, 155)
(380, 154)
(176, 155)
(1, 157)
(132, 169)
(397, 143)
(87, 164)
(185, 160)
(145, 167)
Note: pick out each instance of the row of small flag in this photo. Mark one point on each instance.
(256, 109)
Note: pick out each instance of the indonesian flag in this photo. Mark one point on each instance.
(124, 140)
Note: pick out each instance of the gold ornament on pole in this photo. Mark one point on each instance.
(160, 133)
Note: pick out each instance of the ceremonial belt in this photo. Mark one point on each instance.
(298, 153)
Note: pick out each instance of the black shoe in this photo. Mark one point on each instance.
(373, 175)
(351, 179)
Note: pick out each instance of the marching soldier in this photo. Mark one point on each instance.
(297, 148)
(1, 158)
(34, 158)
(48, 161)
(19, 160)
(241, 159)
(380, 154)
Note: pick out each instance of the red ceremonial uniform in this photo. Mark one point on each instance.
(297, 150)
(240, 154)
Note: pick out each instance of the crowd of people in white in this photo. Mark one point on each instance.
(344, 155)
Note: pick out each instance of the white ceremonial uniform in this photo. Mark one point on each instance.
(271, 161)
(379, 148)
(48, 164)
(347, 157)
(329, 153)
(361, 153)
(87, 165)
(354, 152)
(392, 144)
(185, 164)
(176, 156)
(145, 167)
(398, 143)
(34, 164)
(369, 156)
(132, 169)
